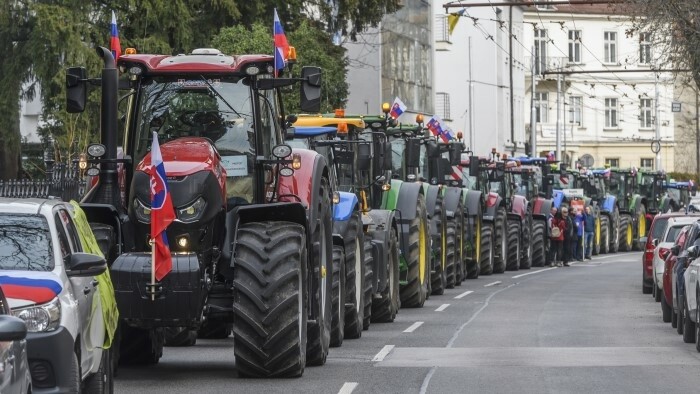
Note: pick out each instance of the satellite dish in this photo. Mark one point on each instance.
(587, 160)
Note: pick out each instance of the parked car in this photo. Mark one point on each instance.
(691, 279)
(656, 231)
(662, 248)
(14, 374)
(668, 309)
(51, 285)
(689, 252)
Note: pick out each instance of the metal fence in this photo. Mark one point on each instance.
(62, 181)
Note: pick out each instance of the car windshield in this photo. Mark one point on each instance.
(25, 243)
(673, 233)
(658, 228)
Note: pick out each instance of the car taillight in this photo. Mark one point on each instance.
(663, 253)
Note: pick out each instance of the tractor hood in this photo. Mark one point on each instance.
(184, 156)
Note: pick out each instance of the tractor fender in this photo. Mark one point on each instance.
(514, 216)
(431, 199)
(345, 207)
(520, 206)
(452, 197)
(545, 206)
(473, 201)
(407, 201)
(557, 198)
(636, 202)
(493, 201)
(609, 203)
(302, 186)
(390, 198)
(379, 231)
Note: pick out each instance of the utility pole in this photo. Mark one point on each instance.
(510, 69)
(559, 157)
(471, 100)
(697, 130)
(533, 111)
(657, 120)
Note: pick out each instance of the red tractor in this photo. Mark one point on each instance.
(252, 242)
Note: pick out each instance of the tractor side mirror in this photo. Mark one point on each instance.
(76, 89)
(310, 89)
(474, 166)
(439, 169)
(289, 133)
(413, 152)
(364, 157)
(562, 169)
(386, 158)
(455, 154)
(432, 150)
(444, 168)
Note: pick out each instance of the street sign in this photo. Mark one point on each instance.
(675, 106)
(655, 146)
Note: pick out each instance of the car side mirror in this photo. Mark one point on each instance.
(675, 249)
(76, 89)
(310, 94)
(413, 152)
(85, 264)
(655, 242)
(12, 328)
(693, 252)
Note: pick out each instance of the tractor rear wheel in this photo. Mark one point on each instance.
(615, 234)
(626, 233)
(473, 264)
(641, 227)
(354, 239)
(338, 298)
(604, 235)
(527, 241)
(513, 245)
(384, 309)
(486, 258)
(138, 346)
(460, 245)
(269, 305)
(212, 329)
(180, 336)
(438, 278)
(538, 235)
(414, 292)
(452, 253)
(501, 244)
(369, 277)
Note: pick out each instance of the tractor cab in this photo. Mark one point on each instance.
(650, 185)
(678, 194)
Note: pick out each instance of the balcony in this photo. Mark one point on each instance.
(442, 33)
(442, 105)
(549, 63)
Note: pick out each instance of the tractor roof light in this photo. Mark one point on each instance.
(339, 113)
(419, 118)
(386, 108)
(342, 128)
(292, 55)
(252, 70)
(130, 51)
(296, 161)
(459, 135)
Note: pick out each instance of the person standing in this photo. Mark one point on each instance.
(552, 214)
(578, 244)
(569, 236)
(557, 239)
(589, 230)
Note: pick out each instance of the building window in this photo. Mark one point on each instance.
(442, 105)
(611, 112)
(610, 45)
(645, 111)
(646, 163)
(574, 46)
(645, 48)
(542, 106)
(442, 29)
(540, 51)
(575, 109)
(544, 6)
(612, 162)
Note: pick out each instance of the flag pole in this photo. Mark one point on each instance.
(153, 269)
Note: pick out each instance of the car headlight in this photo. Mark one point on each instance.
(40, 318)
(192, 212)
(143, 213)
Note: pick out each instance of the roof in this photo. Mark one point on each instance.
(30, 206)
(319, 120)
(214, 63)
(588, 9)
(308, 131)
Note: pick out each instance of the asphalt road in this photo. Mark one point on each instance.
(582, 329)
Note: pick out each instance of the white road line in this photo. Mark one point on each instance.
(498, 282)
(533, 272)
(466, 293)
(383, 353)
(442, 307)
(413, 326)
(347, 388)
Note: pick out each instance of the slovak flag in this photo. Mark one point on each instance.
(162, 212)
(281, 44)
(397, 108)
(435, 127)
(114, 38)
(551, 156)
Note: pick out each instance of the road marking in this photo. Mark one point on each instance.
(533, 272)
(413, 326)
(466, 293)
(498, 282)
(442, 307)
(347, 388)
(383, 353)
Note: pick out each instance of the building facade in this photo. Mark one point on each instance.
(602, 112)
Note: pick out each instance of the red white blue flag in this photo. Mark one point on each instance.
(162, 211)
(36, 287)
(114, 38)
(436, 128)
(281, 44)
(397, 108)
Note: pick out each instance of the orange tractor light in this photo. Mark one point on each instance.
(292, 55)
(130, 51)
(419, 118)
(342, 128)
(386, 108)
(339, 113)
(459, 135)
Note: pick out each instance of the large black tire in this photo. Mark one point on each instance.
(597, 235)
(213, 329)
(501, 244)
(180, 337)
(641, 225)
(679, 323)
(615, 233)
(604, 235)
(415, 291)
(139, 346)
(666, 310)
(460, 246)
(658, 294)
(319, 330)
(688, 325)
(526, 242)
(538, 238)
(338, 298)
(513, 263)
(74, 372)
(626, 233)
(354, 239)
(452, 256)
(438, 276)
(384, 309)
(369, 287)
(102, 381)
(697, 325)
(486, 250)
(269, 305)
(475, 225)
(674, 319)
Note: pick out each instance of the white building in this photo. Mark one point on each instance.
(472, 78)
(605, 117)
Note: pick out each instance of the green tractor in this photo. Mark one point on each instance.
(650, 185)
(632, 212)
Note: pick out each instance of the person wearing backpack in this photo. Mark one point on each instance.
(557, 239)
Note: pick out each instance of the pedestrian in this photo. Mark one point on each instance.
(578, 244)
(552, 214)
(569, 236)
(589, 230)
(557, 238)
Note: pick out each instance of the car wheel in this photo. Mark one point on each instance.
(657, 294)
(666, 310)
(688, 326)
(679, 324)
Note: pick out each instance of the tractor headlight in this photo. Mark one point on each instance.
(193, 212)
(39, 318)
(143, 213)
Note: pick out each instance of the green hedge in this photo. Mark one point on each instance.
(684, 176)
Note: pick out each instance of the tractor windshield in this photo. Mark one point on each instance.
(617, 185)
(646, 185)
(398, 147)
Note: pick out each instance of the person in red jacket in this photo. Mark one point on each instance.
(557, 237)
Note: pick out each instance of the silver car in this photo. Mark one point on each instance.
(14, 368)
(662, 247)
